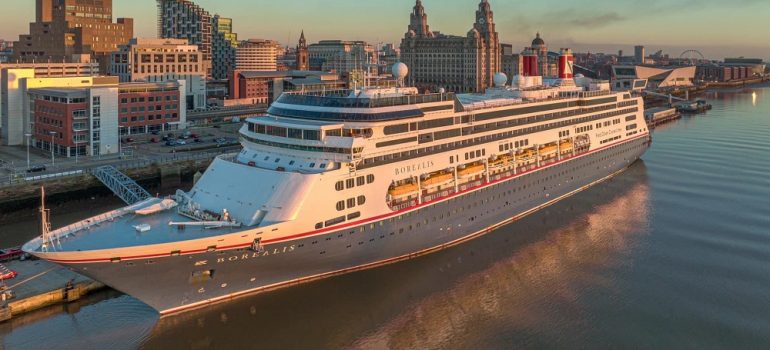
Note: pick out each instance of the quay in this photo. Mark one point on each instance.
(659, 115)
(40, 284)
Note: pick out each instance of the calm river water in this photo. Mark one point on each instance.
(672, 254)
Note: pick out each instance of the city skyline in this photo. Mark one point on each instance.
(667, 26)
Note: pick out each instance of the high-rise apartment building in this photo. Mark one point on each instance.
(183, 19)
(159, 60)
(456, 63)
(224, 44)
(64, 28)
(256, 55)
(639, 54)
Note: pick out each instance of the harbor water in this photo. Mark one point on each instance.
(672, 254)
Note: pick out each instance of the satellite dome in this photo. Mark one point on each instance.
(442, 90)
(500, 79)
(517, 81)
(400, 70)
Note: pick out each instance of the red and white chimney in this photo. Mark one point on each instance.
(566, 64)
(530, 63)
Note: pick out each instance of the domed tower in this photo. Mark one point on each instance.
(303, 61)
(541, 49)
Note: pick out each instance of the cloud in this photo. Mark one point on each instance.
(597, 21)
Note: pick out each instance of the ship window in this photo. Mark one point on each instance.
(323, 166)
(312, 165)
(360, 181)
(335, 221)
(295, 134)
(339, 186)
(350, 183)
(319, 226)
(354, 215)
(313, 135)
(292, 162)
(277, 160)
(351, 202)
(266, 158)
(361, 200)
(340, 205)
(369, 178)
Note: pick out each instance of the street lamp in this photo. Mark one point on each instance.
(120, 142)
(28, 136)
(53, 158)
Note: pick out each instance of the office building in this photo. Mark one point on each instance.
(64, 28)
(343, 57)
(89, 120)
(14, 79)
(256, 55)
(159, 60)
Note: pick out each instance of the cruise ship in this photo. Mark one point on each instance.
(331, 182)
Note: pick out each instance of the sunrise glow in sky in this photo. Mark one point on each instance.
(715, 27)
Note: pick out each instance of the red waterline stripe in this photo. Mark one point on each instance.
(356, 223)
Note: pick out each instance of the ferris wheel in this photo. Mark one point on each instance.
(692, 56)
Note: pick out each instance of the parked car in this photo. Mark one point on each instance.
(170, 143)
(154, 140)
(181, 142)
(156, 133)
(198, 140)
(36, 169)
(128, 140)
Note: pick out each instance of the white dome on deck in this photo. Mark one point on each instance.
(400, 70)
(500, 79)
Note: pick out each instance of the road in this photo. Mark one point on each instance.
(13, 159)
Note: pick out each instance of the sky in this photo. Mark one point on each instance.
(717, 28)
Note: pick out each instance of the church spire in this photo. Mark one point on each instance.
(302, 41)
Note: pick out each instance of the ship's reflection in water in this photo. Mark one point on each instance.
(496, 291)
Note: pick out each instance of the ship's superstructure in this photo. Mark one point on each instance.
(334, 181)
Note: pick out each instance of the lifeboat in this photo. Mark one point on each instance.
(500, 161)
(470, 170)
(402, 190)
(437, 179)
(548, 150)
(565, 146)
